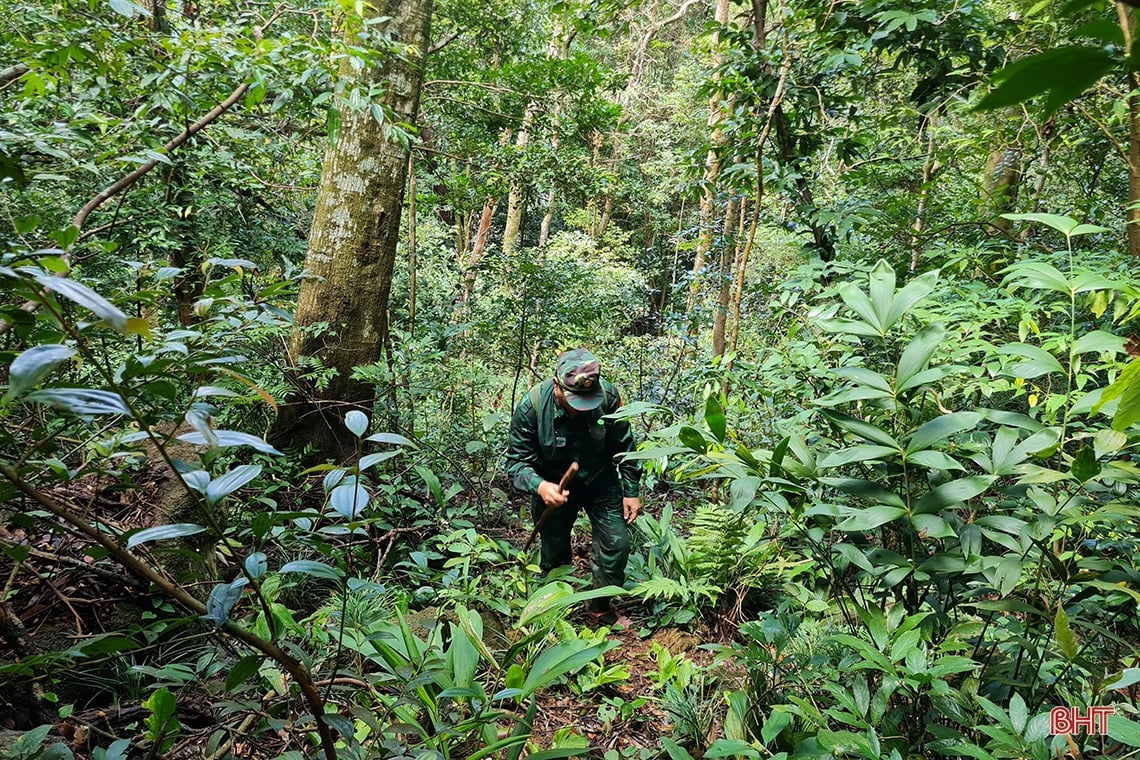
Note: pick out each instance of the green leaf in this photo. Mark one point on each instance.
(162, 721)
(935, 460)
(1084, 466)
(80, 401)
(776, 722)
(870, 518)
(163, 532)
(860, 453)
(256, 565)
(941, 428)
(714, 418)
(349, 499)
(227, 438)
(371, 460)
(223, 486)
(909, 295)
(1123, 730)
(220, 603)
(675, 750)
(932, 526)
(918, 352)
(731, 748)
(1066, 639)
(558, 595)
(954, 492)
(393, 438)
(356, 421)
(693, 439)
(313, 568)
(1063, 224)
(29, 368)
(1037, 361)
(862, 429)
(882, 291)
(563, 658)
(243, 670)
(1060, 74)
(1098, 341)
(87, 298)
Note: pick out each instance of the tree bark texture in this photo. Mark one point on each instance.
(352, 243)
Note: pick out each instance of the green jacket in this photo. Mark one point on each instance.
(544, 441)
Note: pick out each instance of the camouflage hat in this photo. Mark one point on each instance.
(579, 375)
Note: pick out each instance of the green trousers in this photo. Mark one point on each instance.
(602, 502)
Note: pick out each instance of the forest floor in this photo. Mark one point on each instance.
(60, 598)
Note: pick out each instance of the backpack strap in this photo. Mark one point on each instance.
(535, 394)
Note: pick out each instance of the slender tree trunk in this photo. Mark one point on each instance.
(1127, 18)
(412, 263)
(930, 167)
(712, 167)
(513, 227)
(725, 262)
(471, 270)
(342, 311)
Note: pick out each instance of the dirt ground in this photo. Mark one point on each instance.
(59, 596)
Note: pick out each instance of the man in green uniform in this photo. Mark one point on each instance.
(559, 422)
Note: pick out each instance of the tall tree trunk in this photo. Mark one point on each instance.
(712, 166)
(471, 270)
(930, 167)
(513, 227)
(724, 269)
(352, 243)
(1128, 27)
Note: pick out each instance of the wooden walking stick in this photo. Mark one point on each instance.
(571, 471)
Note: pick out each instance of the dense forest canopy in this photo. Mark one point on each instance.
(275, 276)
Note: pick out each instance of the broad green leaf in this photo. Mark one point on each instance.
(559, 595)
(860, 453)
(732, 748)
(1037, 361)
(1084, 466)
(349, 499)
(393, 438)
(163, 532)
(870, 518)
(1123, 730)
(714, 418)
(935, 460)
(1066, 639)
(917, 354)
(675, 750)
(882, 292)
(1126, 388)
(1098, 341)
(1007, 574)
(371, 460)
(256, 565)
(356, 421)
(227, 438)
(776, 722)
(224, 485)
(313, 568)
(909, 295)
(941, 428)
(1037, 276)
(1018, 713)
(932, 526)
(954, 492)
(864, 376)
(862, 429)
(85, 297)
(858, 302)
(563, 658)
(220, 603)
(29, 368)
(865, 489)
(80, 401)
(1109, 442)
(1060, 75)
(692, 438)
(243, 670)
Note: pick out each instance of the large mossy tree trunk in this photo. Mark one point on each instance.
(342, 309)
